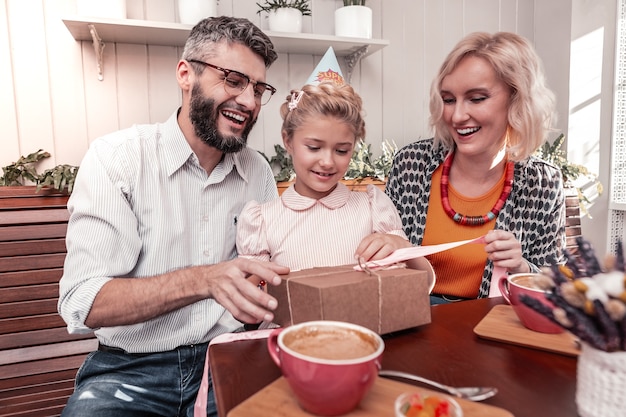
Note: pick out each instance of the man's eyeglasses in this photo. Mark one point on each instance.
(235, 83)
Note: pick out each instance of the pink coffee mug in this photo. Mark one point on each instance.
(515, 284)
(329, 365)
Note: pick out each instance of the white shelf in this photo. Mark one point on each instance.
(175, 34)
(314, 44)
(129, 31)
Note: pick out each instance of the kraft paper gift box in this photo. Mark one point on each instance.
(384, 301)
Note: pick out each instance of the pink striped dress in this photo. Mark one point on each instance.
(301, 232)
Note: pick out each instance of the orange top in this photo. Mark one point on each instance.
(459, 270)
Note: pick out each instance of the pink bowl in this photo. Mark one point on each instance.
(326, 387)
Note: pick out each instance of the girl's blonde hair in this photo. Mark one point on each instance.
(531, 112)
(324, 99)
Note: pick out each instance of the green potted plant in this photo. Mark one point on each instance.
(364, 167)
(24, 172)
(285, 15)
(575, 177)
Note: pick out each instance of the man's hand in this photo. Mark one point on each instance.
(234, 284)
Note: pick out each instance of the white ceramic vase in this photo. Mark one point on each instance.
(110, 9)
(285, 19)
(353, 22)
(191, 12)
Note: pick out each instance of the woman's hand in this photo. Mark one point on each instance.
(504, 250)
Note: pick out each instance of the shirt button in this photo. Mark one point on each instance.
(206, 253)
(205, 218)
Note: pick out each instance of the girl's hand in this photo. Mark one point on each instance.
(504, 250)
(379, 245)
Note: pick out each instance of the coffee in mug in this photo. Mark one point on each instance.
(329, 365)
(525, 280)
(331, 342)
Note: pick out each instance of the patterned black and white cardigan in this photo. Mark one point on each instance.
(534, 211)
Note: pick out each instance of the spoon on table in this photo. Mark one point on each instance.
(467, 393)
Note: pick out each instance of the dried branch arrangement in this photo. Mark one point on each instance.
(589, 299)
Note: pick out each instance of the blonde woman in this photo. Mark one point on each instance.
(490, 110)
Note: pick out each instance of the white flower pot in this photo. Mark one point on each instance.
(353, 22)
(285, 19)
(191, 12)
(111, 9)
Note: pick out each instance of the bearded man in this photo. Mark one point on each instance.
(151, 263)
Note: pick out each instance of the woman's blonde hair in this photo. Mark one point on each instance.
(531, 112)
(324, 99)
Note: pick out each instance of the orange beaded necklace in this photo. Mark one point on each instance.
(474, 220)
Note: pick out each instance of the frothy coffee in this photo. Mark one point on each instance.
(527, 281)
(330, 342)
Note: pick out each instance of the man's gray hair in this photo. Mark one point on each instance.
(210, 31)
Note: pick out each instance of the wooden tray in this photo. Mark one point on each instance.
(277, 400)
(502, 324)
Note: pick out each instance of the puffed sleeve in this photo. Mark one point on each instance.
(384, 213)
(252, 234)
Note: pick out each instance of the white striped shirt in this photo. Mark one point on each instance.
(301, 232)
(143, 206)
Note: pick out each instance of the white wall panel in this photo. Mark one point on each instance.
(454, 21)
(163, 91)
(436, 24)
(526, 19)
(159, 10)
(66, 87)
(508, 15)
(394, 67)
(549, 41)
(132, 84)
(327, 9)
(8, 113)
(30, 76)
(409, 99)
(367, 81)
(101, 97)
(482, 15)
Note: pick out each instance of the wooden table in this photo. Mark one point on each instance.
(531, 382)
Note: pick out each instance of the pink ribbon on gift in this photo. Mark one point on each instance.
(404, 254)
(199, 408)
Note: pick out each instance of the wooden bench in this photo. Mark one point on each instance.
(38, 358)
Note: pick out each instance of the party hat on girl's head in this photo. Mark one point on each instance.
(327, 70)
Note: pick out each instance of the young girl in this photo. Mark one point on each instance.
(318, 221)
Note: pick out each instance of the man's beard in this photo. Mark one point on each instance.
(203, 116)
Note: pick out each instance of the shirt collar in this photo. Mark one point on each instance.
(336, 199)
(174, 144)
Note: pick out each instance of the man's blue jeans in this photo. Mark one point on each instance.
(159, 384)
